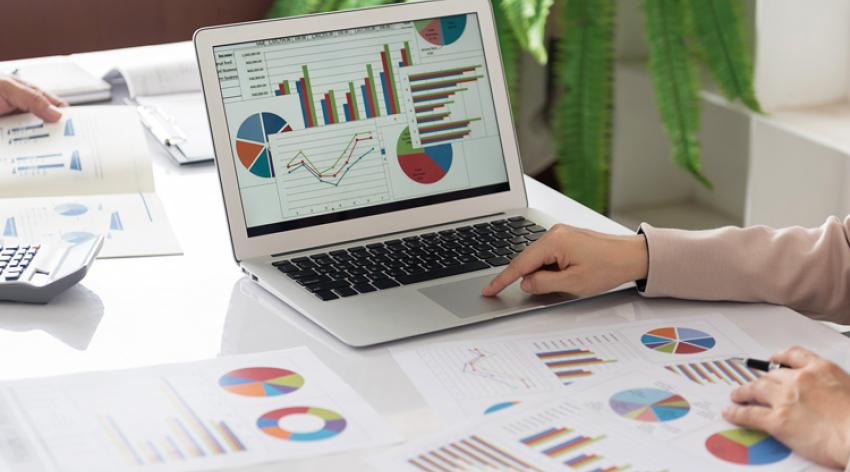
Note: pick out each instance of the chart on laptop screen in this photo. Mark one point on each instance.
(383, 117)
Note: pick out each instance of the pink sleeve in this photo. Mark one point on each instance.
(805, 269)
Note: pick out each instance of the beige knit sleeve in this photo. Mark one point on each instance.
(807, 269)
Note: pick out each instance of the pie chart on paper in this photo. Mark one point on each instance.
(651, 405)
(261, 381)
(252, 142)
(746, 447)
(676, 340)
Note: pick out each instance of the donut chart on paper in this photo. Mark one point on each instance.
(261, 381)
(334, 424)
(746, 447)
(676, 340)
(651, 405)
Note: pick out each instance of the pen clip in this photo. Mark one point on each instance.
(163, 127)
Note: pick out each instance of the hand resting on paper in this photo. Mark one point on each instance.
(19, 96)
(806, 407)
(575, 261)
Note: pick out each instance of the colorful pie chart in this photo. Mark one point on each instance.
(649, 404)
(252, 142)
(674, 340)
(423, 165)
(746, 447)
(261, 381)
(442, 31)
(334, 424)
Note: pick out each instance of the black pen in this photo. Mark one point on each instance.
(758, 364)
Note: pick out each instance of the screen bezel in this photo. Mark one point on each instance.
(245, 247)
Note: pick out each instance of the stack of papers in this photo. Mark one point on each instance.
(638, 396)
(66, 80)
(171, 106)
(226, 412)
(88, 174)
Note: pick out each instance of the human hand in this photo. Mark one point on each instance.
(576, 261)
(807, 407)
(17, 95)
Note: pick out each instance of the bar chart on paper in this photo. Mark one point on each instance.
(717, 371)
(468, 380)
(549, 432)
(208, 415)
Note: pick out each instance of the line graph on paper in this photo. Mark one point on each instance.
(484, 371)
(485, 364)
(331, 168)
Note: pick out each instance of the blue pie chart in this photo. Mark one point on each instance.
(71, 209)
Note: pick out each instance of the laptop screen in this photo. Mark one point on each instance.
(350, 123)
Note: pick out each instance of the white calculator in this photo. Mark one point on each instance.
(35, 273)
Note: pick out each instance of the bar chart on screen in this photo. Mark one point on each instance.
(337, 77)
(449, 100)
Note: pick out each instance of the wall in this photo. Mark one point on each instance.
(31, 28)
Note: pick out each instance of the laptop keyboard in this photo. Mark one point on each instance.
(413, 259)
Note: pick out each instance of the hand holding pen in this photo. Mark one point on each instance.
(802, 399)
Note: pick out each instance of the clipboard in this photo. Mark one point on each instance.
(187, 141)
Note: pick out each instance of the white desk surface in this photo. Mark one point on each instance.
(137, 312)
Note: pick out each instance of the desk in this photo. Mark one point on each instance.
(137, 312)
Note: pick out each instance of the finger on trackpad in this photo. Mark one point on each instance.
(463, 298)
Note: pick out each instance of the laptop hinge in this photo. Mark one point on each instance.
(387, 235)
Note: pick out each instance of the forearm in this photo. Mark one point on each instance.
(806, 269)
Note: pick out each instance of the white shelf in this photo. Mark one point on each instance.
(686, 214)
(828, 125)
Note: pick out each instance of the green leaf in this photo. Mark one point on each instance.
(349, 4)
(284, 8)
(510, 51)
(528, 21)
(584, 66)
(675, 81)
(719, 32)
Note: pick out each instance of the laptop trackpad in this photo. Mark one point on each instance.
(463, 298)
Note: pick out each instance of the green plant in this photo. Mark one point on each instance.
(681, 36)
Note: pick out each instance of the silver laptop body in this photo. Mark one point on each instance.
(345, 136)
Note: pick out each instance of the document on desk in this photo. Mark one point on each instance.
(223, 413)
(471, 378)
(648, 419)
(88, 174)
(173, 106)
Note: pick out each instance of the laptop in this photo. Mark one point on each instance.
(369, 166)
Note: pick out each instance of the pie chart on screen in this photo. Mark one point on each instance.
(252, 142)
(442, 31)
(424, 165)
